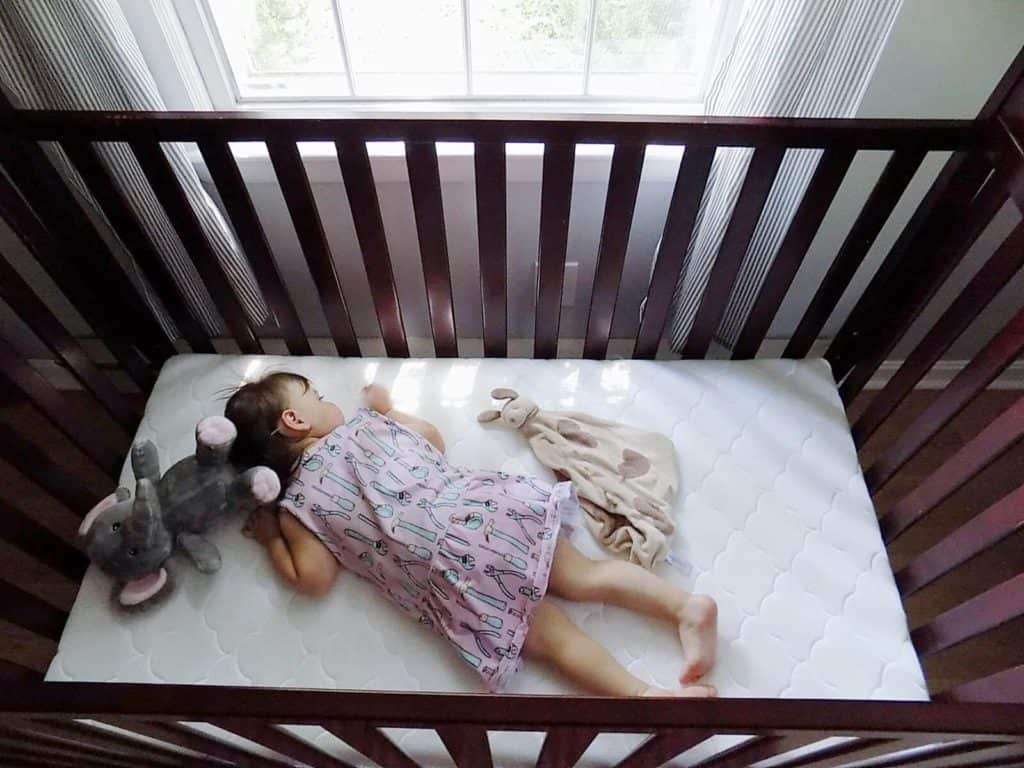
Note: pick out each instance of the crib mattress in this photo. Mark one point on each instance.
(774, 521)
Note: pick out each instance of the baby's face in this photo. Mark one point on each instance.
(323, 416)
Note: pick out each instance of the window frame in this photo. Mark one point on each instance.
(189, 24)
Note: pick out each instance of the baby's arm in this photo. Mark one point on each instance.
(378, 398)
(298, 556)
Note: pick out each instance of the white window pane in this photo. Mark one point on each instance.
(529, 47)
(405, 48)
(651, 48)
(281, 48)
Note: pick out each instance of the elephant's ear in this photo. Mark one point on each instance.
(488, 415)
(121, 494)
(504, 393)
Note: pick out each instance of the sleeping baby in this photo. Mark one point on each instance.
(471, 554)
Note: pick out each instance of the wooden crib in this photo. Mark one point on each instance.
(977, 723)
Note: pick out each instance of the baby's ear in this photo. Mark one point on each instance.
(488, 415)
(504, 393)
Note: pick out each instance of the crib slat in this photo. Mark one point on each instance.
(238, 204)
(757, 183)
(662, 747)
(27, 736)
(95, 267)
(876, 211)
(298, 196)
(467, 744)
(282, 742)
(923, 256)
(969, 540)
(555, 203)
(932, 753)
(623, 185)
(973, 617)
(977, 217)
(48, 474)
(1001, 434)
(179, 211)
(986, 283)
(23, 300)
(992, 360)
(47, 252)
(29, 612)
(828, 176)
(40, 543)
(958, 173)
(128, 748)
(68, 419)
(361, 190)
(180, 736)
(372, 743)
(27, 754)
(563, 747)
(425, 184)
(840, 754)
(675, 240)
(757, 749)
(492, 232)
(1006, 685)
(124, 222)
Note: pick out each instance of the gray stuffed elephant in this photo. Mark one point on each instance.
(130, 540)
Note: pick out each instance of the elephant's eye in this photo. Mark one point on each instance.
(115, 527)
(133, 552)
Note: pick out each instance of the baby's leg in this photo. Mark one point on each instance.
(559, 642)
(576, 577)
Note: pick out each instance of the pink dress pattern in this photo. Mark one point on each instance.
(466, 552)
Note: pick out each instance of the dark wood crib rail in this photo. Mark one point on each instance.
(943, 734)
(71, 243)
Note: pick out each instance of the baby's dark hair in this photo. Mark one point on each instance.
(255, 409)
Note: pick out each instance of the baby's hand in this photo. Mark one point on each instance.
(378, 398)
(262, 525)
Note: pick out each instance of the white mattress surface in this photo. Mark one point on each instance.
(774, 521)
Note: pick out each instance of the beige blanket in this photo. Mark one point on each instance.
(627, 479)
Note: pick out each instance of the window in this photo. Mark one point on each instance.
(567, 52)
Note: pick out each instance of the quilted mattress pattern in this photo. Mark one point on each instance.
(774, 521)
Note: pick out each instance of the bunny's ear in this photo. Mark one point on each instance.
(489, 415)
(504, 393)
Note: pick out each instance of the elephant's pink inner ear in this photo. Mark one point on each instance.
(140, 590)
(95, 512)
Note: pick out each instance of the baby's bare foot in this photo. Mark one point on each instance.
(698, 631)
(685, 692)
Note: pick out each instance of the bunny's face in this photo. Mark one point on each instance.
(515, 413)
